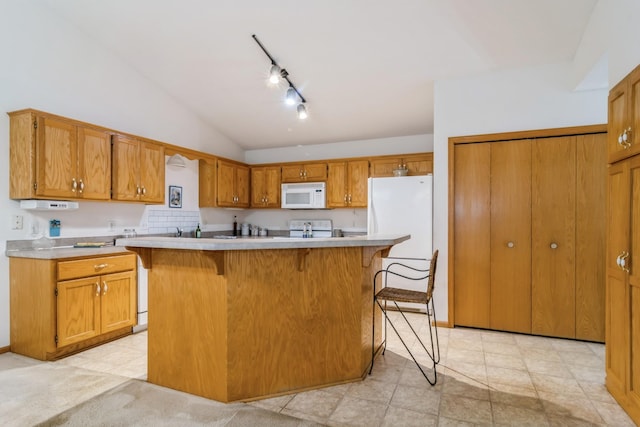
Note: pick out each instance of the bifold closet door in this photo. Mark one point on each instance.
(511, 236)
(472, 235)
(591, 186)
(553, 231)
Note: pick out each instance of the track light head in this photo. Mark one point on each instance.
(302, 112)
(274, 74)
(290, 99)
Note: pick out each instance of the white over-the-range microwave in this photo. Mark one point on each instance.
(304, 195)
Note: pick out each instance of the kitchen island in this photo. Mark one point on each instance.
(243, 319)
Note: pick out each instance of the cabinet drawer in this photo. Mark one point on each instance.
(95, 266)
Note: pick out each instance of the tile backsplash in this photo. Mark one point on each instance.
(161, 221)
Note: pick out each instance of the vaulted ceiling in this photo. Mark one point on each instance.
(366, 67)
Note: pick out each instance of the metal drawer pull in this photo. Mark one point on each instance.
(104, 287)
(100, 266)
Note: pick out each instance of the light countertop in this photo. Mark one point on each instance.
(62, 252)
(226, 244)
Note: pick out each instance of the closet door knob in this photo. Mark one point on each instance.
(511, 244)
(553, 245)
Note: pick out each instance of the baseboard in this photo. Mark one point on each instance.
(6, 349)
(140, 328)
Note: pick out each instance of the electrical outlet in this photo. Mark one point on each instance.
(17, 222)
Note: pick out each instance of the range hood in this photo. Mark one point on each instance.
(48, 205)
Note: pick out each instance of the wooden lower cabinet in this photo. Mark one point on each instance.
(60, 307)
(528, 232)
(623, 285)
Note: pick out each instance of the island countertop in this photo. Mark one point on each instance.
(227, 243)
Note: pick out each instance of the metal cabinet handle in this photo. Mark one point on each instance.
(553, 245)
(138, 190)
(81, 185)
(100, 266)
(510, 244)
(104, 287)
(97, 289)
(144, 191)
(74, 185)
(623, 261)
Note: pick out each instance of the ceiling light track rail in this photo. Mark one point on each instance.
(277, 73)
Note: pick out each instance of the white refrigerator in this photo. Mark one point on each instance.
(404, 205)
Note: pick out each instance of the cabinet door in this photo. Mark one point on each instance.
(292, 173)
(617, 308)
(315, 172)
(336, 182)
(357, 183)
(126, 169)
(384, 167)
(56, 158)
(624, 115)
(242, 181)
(117, 301)
(633, 289)
(419, 165)
(226, 184)
(258, 179)
(591, 187)
(94, 165)
(553, 279)
(152, 172)
(78, 309)
(511, 236)
(207, 184)
(472, 243)
(272, 188)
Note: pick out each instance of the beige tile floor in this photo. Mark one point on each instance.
(485, 378)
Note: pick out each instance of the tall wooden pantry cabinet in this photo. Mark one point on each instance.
(528, 232)
(623, 246)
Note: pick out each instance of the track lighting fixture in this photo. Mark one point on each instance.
(276, 73)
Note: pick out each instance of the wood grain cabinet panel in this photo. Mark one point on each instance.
(623, 285)
(53, 157)
(265, 187)
(207, 183)
(61, 307)
(624, 117)
(301, 172)
(416, 164)
(138, 170)
(232, 185)
(347, 184)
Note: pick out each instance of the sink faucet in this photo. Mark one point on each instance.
(179, 233)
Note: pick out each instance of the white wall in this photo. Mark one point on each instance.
(624, 49)
(48, 65)
(369, 147)
(523, 99)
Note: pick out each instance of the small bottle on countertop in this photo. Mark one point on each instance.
(198, 232)
(235, 226)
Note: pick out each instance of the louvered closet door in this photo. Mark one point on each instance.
(511, 236)
(553, 236)
(472, 235)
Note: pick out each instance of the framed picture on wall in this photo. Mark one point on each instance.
(175, 196)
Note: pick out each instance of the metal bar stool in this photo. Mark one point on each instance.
(396, 295)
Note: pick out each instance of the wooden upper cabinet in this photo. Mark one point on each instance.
(265, 187)
(624, 117)
(416, 164)
(347, 184)
(138, 170)
(51, 157)
(232, 185)
(302, 172)
(207, 183)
